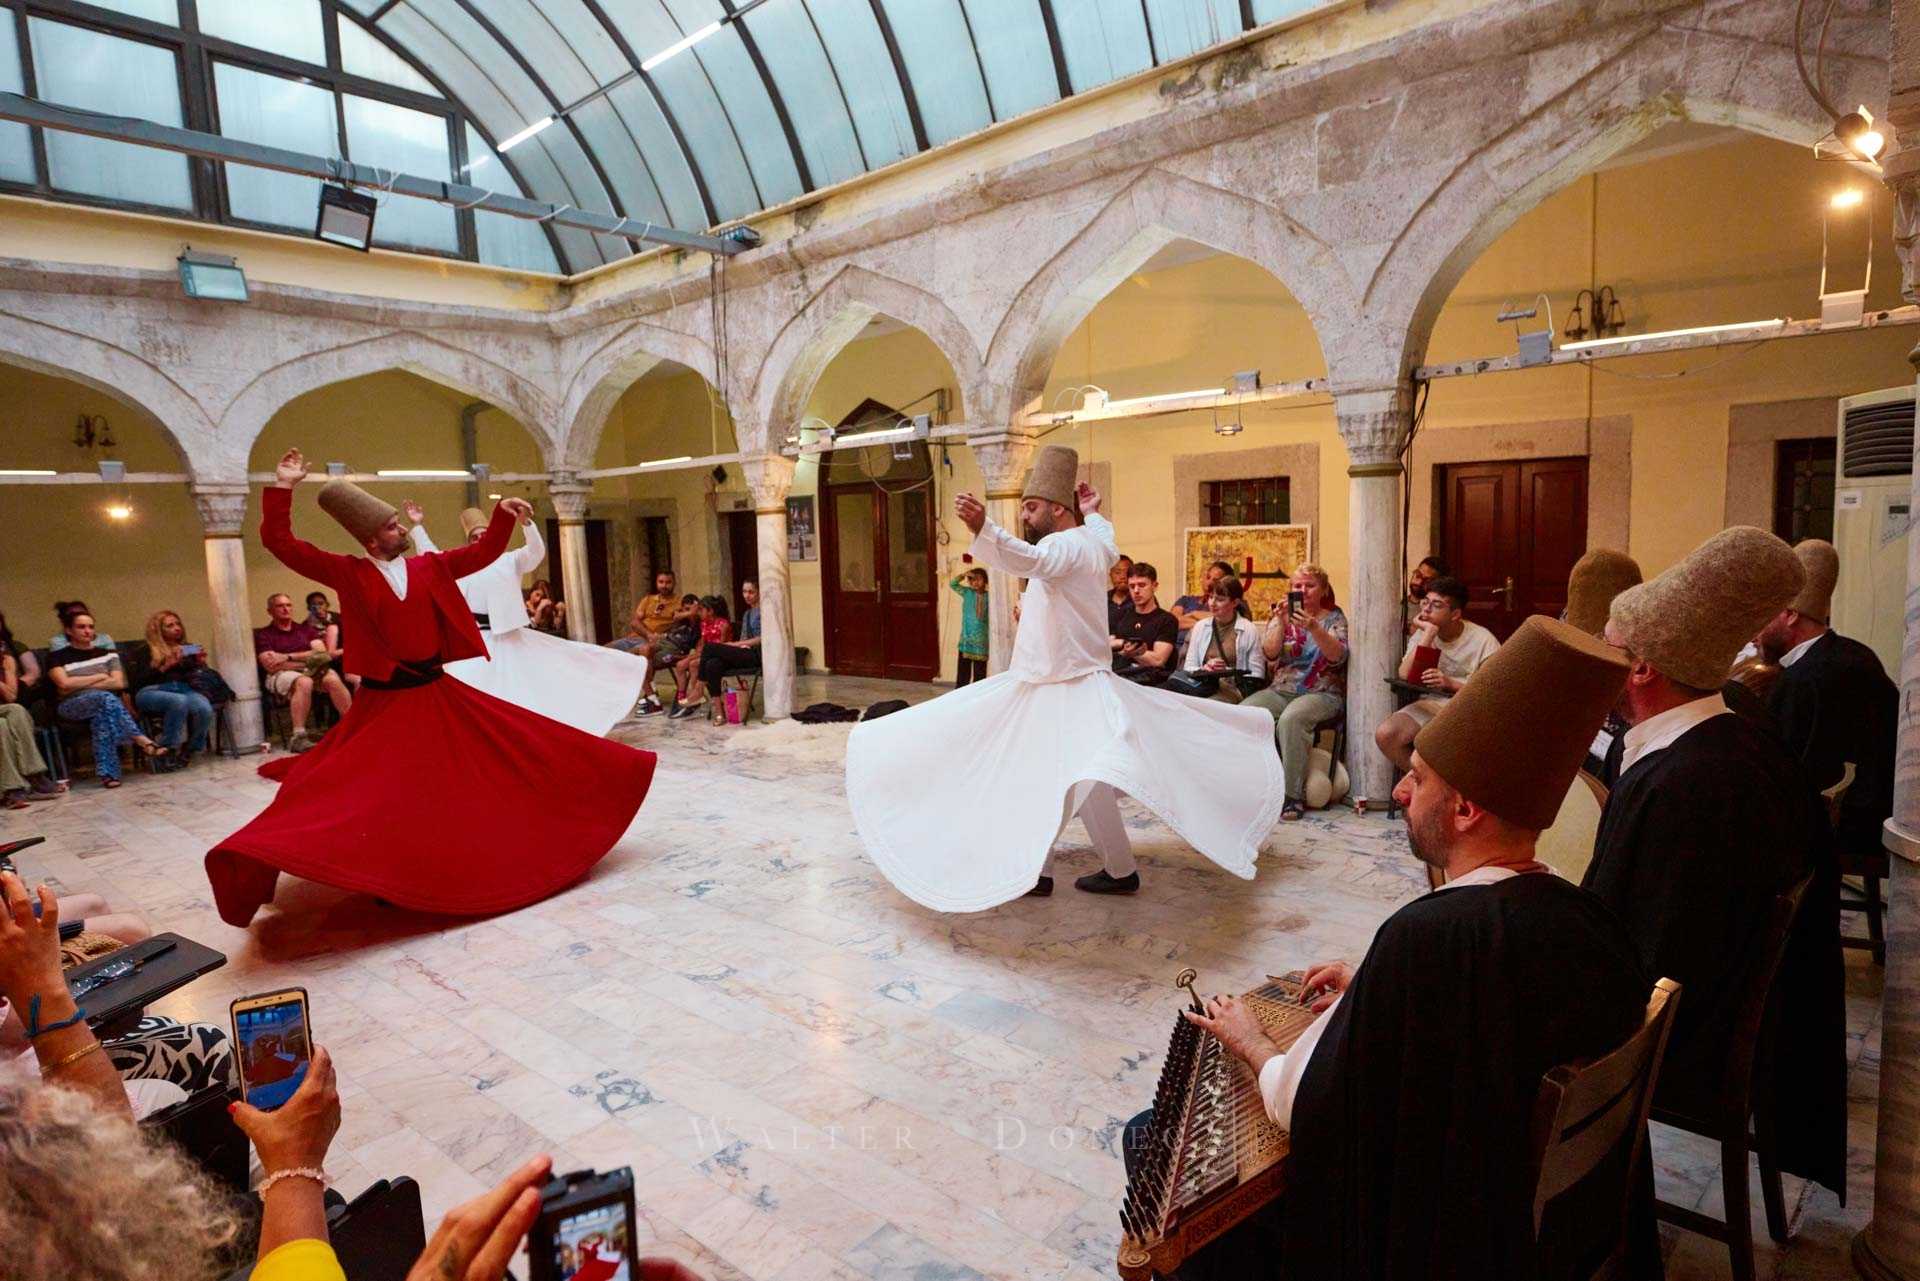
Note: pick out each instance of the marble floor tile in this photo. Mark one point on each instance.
(813, 1078)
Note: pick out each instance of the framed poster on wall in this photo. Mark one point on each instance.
(1263, 558)
(803, 540)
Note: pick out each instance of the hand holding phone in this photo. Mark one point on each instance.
(584, 1231)
(297, 1134)
(272, 1045)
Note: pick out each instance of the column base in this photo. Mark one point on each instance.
(1868, 1263)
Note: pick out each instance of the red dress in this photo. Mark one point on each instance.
(436, 797)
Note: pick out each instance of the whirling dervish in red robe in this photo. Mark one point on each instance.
(429, 794)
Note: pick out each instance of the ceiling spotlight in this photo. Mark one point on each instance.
(1848, 198)
(214, 277)
(1856, 131)
(494, 498)
(345, 218)
(119, 511)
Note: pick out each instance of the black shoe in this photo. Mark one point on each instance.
(685, 711)
(1042, 888)
(1100, 883)
(649, 707)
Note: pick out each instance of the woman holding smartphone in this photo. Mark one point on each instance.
(162, 689)
(1306, 649)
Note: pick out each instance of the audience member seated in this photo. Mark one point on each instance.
(1833, 702)
(719, 660)
(1445, 649)
(333, 636)
(1143, 634)
(659, 613)
(1709, 822)
(89, 680)
(971, 662)
(1306, 650)
(689, 693)
(1118, 598)
(1189, 610)
(1424, 573)
(294, 657)
(1223, 640)
(163, 686)
(24, 775)
(65, 609)
(1410, 1101)
(545, 613)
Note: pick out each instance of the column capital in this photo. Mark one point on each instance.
(1373, 423)
(769, 478)
(1004, 457)
(569, 495)
(223, 507)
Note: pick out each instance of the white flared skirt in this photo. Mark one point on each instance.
(585, 686)
(959, 799)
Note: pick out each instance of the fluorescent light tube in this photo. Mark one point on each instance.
(525, 134)
(27, 471)
(863, 437)
(667, 462)
(1207, 392)
(1623, 339)
(416, 473)
(678, 46)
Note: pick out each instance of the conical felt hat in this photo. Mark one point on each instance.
(1055, 476)
(360, 512)
(1822, 564)
(1515, 735)
(1597, 578)
(1691, 621)
(472, 518)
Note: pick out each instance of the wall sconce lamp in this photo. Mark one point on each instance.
(92, 430)
(1604, 309)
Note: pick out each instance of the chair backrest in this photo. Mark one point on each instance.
(1586, 1111)
(378, 1235)
(1751, 1022)
(1567, 846)
(1836, 794)
(203, 1128)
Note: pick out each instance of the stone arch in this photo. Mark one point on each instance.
(618, 361)
(474, 375)
(1151, 212)
(831, 319)
(66, 353)
(1741, 81)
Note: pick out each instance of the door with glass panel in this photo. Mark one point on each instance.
(877, 552)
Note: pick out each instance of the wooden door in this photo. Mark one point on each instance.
(743, 554)
(597, 577)
(850, 535)
(1512, 531)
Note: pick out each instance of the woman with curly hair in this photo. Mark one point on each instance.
(162, 688)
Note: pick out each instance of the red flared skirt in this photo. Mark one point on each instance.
(440, 798)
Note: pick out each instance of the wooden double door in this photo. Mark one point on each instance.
(1511, 531)
(880, 592)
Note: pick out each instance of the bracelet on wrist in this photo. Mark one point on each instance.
(73, 1057)
(35, 1028)
(315, 1173)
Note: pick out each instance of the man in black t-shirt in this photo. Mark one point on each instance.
(1143, 633)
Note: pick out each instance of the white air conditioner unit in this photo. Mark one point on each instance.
(1872, 510)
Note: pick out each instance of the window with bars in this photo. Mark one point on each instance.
(1261, 500)
(1803, 477)
(305, 75)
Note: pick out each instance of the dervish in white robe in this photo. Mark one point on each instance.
(959, 800)
(585, 686)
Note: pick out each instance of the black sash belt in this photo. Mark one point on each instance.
(408, 675)
(483, 621)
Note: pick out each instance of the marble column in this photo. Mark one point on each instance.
(1888, 1249)
(223, 513)
(1004, 458)
(570, 505)
(768, 479)
(1373, 422)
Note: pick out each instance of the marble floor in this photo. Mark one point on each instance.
(811, 1077)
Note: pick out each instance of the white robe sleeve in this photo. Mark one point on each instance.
(422, 541)
(528, 557)
(1049, 558)
(1280, 1075)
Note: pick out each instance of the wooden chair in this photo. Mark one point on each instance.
(1870, 865)
(1567, 846)
(1748, 1061)
(1589, 1113)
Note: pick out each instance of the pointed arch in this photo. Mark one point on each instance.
(618, 361)
(830, 320)
(477, 376)
(1153, 211)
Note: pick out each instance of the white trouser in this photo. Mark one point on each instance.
(1098, 807)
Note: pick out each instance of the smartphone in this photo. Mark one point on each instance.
(192, 651)
(1296, 600)
(273, 1045)
(585, 1228)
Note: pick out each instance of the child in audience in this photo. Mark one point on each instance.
(715, 628)
(972, 590)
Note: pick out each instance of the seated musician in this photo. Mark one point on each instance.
(1410, 1100)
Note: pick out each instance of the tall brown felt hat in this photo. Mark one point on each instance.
(471, 519)
(1515, 735)
(1822, 564)
(1691, 621)
(1597, 578)
(360, 512)
(1055, 476)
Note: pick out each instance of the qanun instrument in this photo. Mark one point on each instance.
(1211, 1157)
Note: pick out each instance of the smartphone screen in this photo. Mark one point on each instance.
(594, 1245)
(274, 1048)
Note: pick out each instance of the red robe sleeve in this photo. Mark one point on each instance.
(276, 531)
(473, 557)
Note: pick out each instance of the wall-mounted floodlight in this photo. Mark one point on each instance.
(1244, 382)
(345, 218)
(336, 469)
(215, 277)
(1536, 346)
(112, 472)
